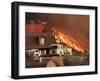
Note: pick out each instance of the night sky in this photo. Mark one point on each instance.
(76, 26)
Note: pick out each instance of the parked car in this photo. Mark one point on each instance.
(34, 52)
(58, 49)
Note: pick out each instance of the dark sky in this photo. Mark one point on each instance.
(76, 26)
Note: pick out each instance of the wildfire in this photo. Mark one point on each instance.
(69, 41)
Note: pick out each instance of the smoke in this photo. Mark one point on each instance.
(76, 26)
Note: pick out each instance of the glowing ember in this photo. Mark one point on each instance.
(69, 41)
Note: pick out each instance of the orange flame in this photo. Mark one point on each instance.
(69, 41)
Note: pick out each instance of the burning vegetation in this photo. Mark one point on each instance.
(68, 40)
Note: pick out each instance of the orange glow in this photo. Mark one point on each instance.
(68, 40)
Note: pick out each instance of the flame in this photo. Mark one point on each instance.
(68, 40)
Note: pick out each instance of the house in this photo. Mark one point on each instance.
(38, 36)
